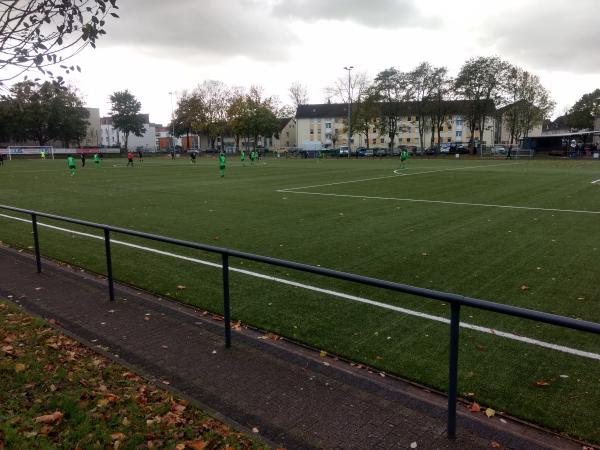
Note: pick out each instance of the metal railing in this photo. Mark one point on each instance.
(455, 301)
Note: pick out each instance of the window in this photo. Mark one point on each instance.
(374, 130)
(312, 131)
(458, 134)
(374, 140)
(328, 125)
(407, 140)
(409, 118)
(407, 130)
(459, 122)
(319, 131)
(449, 127)
(287, 134)
(383, 140)
(449, 139)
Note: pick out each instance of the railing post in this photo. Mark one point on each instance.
(36, 243)
(453, 369)
(109, 274)
(226, 306)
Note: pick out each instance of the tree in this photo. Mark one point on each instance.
(481, 82)
(36, 34)
(581, 115)
(253, 116)
(422, 84)
(390, 90)
(215, 98)
(46, 112)
(364, 117)
(298, 94)
(439, 106)
(189, 115)
(125, 113)
(531, 103)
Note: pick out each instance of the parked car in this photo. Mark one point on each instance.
(365, 152)
(445, 148)
(344, 151)
(381, 152)
(499, 150)
(457, 147)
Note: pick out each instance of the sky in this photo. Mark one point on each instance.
(157, 46)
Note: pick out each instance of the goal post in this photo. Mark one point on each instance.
(16, 151)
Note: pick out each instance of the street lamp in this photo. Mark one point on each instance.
(349, 69)
(172, 123)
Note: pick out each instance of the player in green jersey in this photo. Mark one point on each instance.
(222, 164)
(252, 156)
(243, 158)
(71, 164)
(97, 159)
(403, 158)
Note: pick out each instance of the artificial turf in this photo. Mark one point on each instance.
(519, 232)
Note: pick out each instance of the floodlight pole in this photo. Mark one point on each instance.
(349, 69)
(172, 123)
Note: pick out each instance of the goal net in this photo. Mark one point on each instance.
(40, 151)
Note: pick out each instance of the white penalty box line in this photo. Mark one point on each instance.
(417, 200)
(409, 312)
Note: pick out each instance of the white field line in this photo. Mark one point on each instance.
(596, 181)
(416, 200)
(393, 176)
(511, 336)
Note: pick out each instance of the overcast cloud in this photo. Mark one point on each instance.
(162, 46)
(191, 28)
(372, 13)
(551, 35)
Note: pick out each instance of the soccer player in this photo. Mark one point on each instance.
(243, 158)
(43, 155)
(82, 159)
(129, 159)
(71, 164)
(97, 160)
(193, 157)
(1, 159)
(140, 155)
(403, 158)
(222, 163)
(252, 156)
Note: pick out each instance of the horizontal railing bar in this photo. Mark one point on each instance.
(552, 319)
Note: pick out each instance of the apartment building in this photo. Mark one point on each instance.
(327, 123)
(111, 137)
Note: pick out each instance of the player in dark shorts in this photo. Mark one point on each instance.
(141, 156)
(130, 159)
(1, 159)
(193, 157)
(83, 160)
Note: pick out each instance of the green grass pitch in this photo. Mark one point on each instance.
(523, 232)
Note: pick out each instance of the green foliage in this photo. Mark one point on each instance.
(43, 112)
(125, 113)
(251, 116)
(39, 33)
(581, 115)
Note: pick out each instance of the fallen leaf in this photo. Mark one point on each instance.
(255, 430)
(524, 287)
(103, 402)
(125, 422)
(196, 445)
(424, 254)
(2, 306)
(180, 286)
(180, 447)
(490, 412)
(322, 353)
(49, 418)
(475, 407)
(117, 436)
(46, 429)
(495, 444)
(413, 445)
(19, 367)
(542, 383)
(146, 317)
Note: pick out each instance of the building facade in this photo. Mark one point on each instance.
(327, 124)
(111, 137)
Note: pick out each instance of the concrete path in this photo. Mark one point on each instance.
(292, 396)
